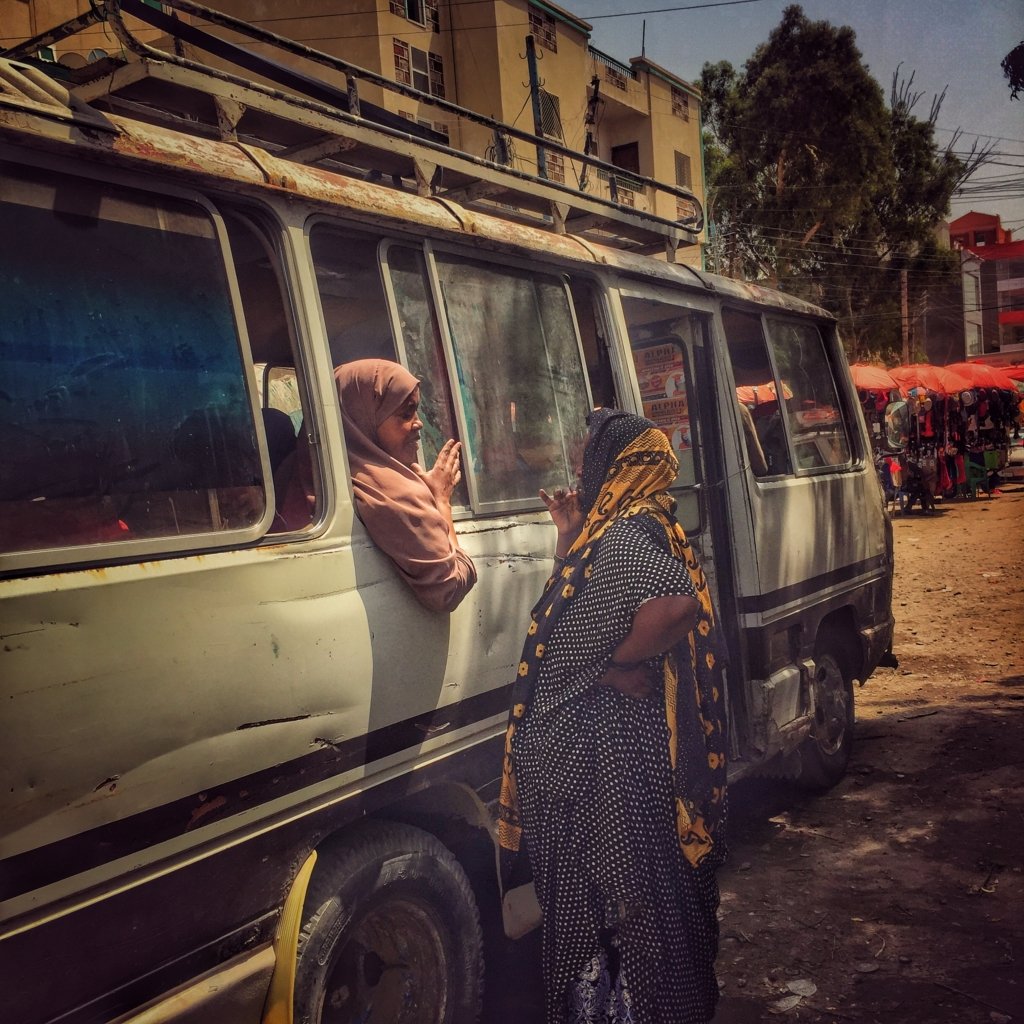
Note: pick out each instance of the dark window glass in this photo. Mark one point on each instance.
(424, 353)
(522, 385)
(351, 294)
(124, 410)
(814, 412)
(761, 416)
(659, 336)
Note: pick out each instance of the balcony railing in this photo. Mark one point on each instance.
(620, 69)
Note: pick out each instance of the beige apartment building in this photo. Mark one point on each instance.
(634, 114)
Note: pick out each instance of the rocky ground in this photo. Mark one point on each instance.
(899, 895)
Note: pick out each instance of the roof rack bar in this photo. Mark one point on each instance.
(336, 114)
(54, 35)
(113, 9)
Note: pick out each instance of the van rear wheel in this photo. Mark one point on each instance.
(825, 754)
(391, 934)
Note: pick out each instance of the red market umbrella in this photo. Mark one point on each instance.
(955, 382)
(1013, 372)
(982, 375)
(872, 378)
(921, 375)
(759, 394)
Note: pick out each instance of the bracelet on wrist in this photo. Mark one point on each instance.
(625, 666)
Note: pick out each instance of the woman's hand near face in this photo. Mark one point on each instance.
(444, 476)
(566, 514)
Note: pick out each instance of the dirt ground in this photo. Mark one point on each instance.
(899, 895)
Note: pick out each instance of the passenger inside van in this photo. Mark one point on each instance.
(406, 509)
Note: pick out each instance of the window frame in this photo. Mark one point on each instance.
(129, 550)
(403, 75)
(478, 508)
(265, 221)
(686, 302)
(428, 9)
(680, 103)
(543, 28)
(530, 502)
(847, 418)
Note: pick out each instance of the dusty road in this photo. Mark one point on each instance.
(899, 895)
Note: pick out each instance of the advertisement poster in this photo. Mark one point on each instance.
(662, 375)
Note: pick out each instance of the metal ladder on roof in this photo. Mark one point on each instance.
(302, 117)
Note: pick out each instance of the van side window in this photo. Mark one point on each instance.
(659, 336)
(522, 388)
(423, 348)
(594, 334)
(283, 398)
(814, 412)
(124, 408)
(352, 297)
(757, 393)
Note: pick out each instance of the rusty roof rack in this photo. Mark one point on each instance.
(302, 117)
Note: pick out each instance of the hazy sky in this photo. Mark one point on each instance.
(949, 44)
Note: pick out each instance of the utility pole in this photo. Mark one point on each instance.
(590, 119)
(538, 120)
(905, 311)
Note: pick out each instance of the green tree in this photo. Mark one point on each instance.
(1013, 69)
(821, 187)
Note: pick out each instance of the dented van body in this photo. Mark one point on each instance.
(202, 688)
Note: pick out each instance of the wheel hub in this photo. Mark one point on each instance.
(830, 706)
(393, 970)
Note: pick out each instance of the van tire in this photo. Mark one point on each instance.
(825, 754)
(389, 900)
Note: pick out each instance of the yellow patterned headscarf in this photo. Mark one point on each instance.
(635, 483)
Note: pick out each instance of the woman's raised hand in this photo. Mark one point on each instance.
(444, 476)
(564, 507)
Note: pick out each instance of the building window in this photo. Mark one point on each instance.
(684, 179)
(542, 28)
(403, 73)
(423, 12)
(550, 114)
(556, 167)
(680, 104)
(436, 66)
(419, 68)
(627, 156)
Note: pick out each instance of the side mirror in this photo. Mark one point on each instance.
(897, 426)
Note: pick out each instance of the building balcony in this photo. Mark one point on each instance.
(621, 89)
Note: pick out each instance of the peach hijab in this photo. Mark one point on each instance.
(395, 505)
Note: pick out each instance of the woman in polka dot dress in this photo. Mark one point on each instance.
(614, 776)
